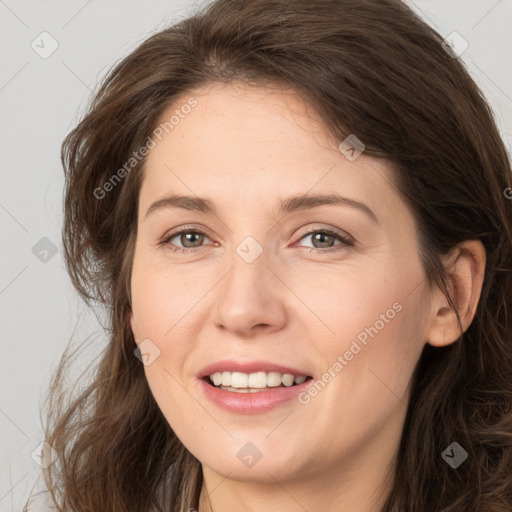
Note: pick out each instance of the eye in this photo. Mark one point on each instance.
(190, 239)
(323, 240)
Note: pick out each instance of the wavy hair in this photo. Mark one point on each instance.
(370, 68)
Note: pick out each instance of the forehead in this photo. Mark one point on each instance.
(241, 117)
(257, 143)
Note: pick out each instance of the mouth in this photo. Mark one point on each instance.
(239, 382)
(253, 387)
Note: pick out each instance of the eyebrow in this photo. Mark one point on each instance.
(292, 204)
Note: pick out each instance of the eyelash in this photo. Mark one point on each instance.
(345, 240)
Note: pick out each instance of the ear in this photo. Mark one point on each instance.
(466, 264)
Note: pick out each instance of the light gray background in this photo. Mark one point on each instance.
(40, 101)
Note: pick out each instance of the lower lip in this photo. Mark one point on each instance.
(252, 403)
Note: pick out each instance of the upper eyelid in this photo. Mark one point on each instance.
(186, 229)
(336, 231)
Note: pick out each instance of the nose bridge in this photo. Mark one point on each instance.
(249, 294)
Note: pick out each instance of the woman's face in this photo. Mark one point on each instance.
(268, 279)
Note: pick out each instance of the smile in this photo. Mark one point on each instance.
(240, 382)
(248, 400)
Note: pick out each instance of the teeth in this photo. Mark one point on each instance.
(216, 378)
(258, 380)
(274, 379)
(226, 378)
(287, 379)
(238, 380)
(239, 390)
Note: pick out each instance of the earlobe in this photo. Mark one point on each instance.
(466, 267)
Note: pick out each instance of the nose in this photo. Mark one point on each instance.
(250, 298)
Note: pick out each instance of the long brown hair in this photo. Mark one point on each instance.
(370, 68)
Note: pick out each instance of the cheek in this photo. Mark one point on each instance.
(159, 301)
(346, 300)
(163, 295)
(379, 355)
(374, 338)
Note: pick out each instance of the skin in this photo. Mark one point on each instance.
(246, 149)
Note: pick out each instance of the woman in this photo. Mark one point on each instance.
(296, 215)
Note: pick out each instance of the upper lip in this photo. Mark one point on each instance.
(229, 365)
